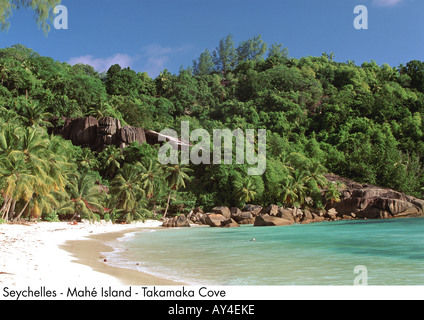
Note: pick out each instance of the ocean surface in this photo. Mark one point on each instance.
(388, 252)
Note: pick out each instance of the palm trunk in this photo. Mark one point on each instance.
(12, 209)
(167, 204)
(22, 211)
(5, 208)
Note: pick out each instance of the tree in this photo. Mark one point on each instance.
(150, 176)
(110, 160)
(204, 65)
(42, 8)
(24, 168)
(245, 190)
(252, 49)
(128, 196)
(33, 113)
(277, 55)
(85, 198)
(415, 69)
(176, 177)
(295, 189)
(225, 55)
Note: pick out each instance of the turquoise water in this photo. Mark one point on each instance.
(314, 254)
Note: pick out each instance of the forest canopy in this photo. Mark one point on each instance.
(362, 122)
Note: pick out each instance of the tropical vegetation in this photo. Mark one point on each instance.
(363, 122)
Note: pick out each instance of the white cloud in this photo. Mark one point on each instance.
(387, 3)
(103, 64)
(158, 58)
(152, 59)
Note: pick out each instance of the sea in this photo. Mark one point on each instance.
(380, 252)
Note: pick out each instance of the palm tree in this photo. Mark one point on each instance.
(294, 188)
(333, 192)
(86, 198)
(24, 167)
(245, 190)
(33, 113)
(177, 176)
(150, 176)
(110, 160)
(127, 193)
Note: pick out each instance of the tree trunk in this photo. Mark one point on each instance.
(22, 211)
(167, 204)
(12, 209)
(5, 208)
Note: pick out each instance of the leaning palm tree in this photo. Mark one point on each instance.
(26, 159)
(176, 177)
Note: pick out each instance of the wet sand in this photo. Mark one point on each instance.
(60, 254)
(90, 252)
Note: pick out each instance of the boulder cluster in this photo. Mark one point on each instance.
(97, 134)
(357, 201)
(224, 217)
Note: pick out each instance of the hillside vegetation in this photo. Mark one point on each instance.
(363, 122)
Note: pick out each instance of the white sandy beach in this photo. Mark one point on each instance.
(61, 254)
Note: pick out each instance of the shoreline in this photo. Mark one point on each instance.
(90, 252)
(60, 254)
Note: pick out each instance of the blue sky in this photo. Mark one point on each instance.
(153, 35)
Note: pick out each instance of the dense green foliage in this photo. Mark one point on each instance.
(361, 122)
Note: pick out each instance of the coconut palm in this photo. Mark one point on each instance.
(85, 198)
(33, 113)
(176, 177)
(128, 196)
(150, 176)
(294, 188)
(245, 190)
(110, 159)
(24, 167)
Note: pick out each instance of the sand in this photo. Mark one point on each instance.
(61, 254)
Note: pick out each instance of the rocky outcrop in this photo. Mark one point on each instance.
(266, 220)
(176, 222)
(128, 135)
(372, 202)
(225, 211)
(98, 134)
(80, 131)
(107, 130)
(214, 219)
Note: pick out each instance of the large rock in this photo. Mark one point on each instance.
(214, 219)
(243, 217)
(368, 201)
(229, 223)
(225, 211)
(107, 130)
(80, 131)
(253, 209)
(272, 210)
(286, 213)
(265, 220)
(176, 222)
(127, 135)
